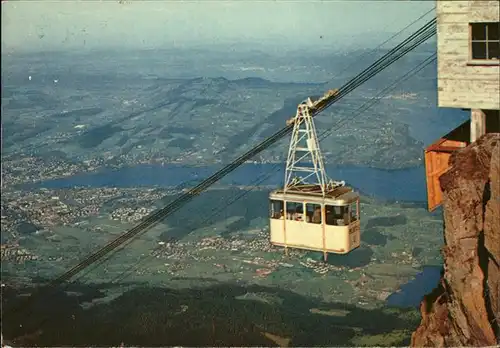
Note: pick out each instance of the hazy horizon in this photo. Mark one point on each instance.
(36, 26)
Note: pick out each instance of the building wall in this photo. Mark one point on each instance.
(461, 82)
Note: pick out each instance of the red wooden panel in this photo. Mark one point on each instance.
(437, 157)
(436, 164)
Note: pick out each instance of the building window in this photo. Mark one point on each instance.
(485, 40)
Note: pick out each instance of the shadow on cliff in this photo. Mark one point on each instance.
(211, 316)
(485, 257)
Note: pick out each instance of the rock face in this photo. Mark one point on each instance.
(464, 310)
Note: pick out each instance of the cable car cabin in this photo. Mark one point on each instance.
(304, 219)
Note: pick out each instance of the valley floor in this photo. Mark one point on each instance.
(219, 267)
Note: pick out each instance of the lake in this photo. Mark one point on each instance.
(402, 185)
(411, 293)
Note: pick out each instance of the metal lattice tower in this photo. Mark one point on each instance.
(304, 147)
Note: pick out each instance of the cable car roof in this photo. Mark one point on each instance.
(342, 195)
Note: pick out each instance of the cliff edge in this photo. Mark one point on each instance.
(464, 310)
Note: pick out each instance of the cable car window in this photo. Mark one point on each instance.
(294, 211)
(276, 209)
(354, 211)
(337, 215)
(313, 213)
(330, 214)
(345, 215)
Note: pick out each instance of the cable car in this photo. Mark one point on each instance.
(312, 212)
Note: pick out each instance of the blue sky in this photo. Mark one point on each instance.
(72, 25)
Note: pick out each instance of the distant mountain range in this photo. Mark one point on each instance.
(172, 105)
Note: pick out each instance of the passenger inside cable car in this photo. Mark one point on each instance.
(277, 209)
(294, 211)
(341, 215)
(316, 216)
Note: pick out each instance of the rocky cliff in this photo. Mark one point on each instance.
(464, 310)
